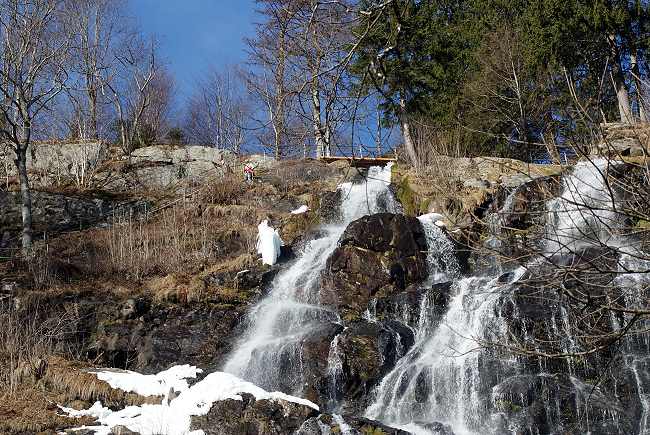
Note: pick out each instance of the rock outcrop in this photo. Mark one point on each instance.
(377, 256)
(162, 166)
(624, 140)
(279, 417)
(250, 416)
(50, 163)
(56, 212)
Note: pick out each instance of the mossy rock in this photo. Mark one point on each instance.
(410, 200)
(643, 224)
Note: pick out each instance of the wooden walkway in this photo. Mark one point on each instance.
(360, 162)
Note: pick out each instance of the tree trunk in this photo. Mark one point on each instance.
(622, 94)
(327, 150)
(409, 145)
(280, 94)
(26, 197)
(553, 151)
(634, 62)
(92, 102)
(316, 119)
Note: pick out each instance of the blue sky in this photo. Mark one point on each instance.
(196, 34)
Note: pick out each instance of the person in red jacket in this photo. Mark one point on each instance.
(249, 172)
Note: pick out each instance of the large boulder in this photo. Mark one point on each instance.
(326, 424)
(164, 166)
(367, 352)
(377, 256)
(280, 417)
(250, 416)
(50, 163)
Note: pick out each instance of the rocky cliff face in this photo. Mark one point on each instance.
(385, 341)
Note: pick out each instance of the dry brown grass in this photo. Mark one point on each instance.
(31, 412)
(184, 288)
(33, 407)
(27, 341)
(165, 244)
(228, 190)
(71, 381)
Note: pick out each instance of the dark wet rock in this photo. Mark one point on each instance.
(326, 424)
(54, 212)
(378, 255)
(406, 306)
(330, 206)
(314, 361)
(547, 402)
(436, 428)
(165, 335)
(368, 351)
(250, 416)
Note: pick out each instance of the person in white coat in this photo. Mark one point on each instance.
(268, 243)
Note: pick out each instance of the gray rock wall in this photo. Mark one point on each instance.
(57, 212)
(52, 163)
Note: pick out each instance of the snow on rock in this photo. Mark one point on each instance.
(268, 243)
(432, 217)
(436, 218)
(149, 385)
(300, 210)
(96, 411)
(175, 417)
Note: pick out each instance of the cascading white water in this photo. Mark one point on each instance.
(442, 378)
(438, 379)
(441, 252)
(269, 353)
(585, 213)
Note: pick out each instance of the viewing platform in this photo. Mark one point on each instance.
(360, 162)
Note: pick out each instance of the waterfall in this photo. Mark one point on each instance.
(447, 379)
(269, 352)
(438, 379)
(585, 213)
(441, 252)
(444, 378)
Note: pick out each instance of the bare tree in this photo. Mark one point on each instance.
(268, 78)
(130, 92)
(218, 111)
(35, 46)
(98, 27)
(156, 117)
(321, 52)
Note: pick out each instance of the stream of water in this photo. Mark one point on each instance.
(441, 378)
(269, 353)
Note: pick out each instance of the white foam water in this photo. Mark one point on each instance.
(438, 379)
(585, 212)
(269, 352)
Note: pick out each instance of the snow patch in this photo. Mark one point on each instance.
(175, 417)
(268, 243)
(300, 210)
(159, 384)
(435, 218)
